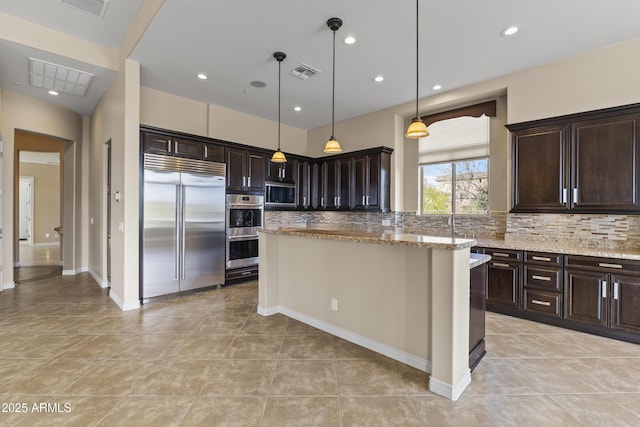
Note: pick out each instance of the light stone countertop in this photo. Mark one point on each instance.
(477, 259)
(380, 237)
(559, 248)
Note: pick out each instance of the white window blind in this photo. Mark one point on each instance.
(455, 139)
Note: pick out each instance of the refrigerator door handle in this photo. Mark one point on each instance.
(183, 233)
(176, 267)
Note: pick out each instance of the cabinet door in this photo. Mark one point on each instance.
(605, 162)
(303, 184)
(328, 199)
(158, 144)
(343, 184)
(187, 149)
(213, 153)
(585, 296)
(504, 284)
(360, 181)
(236, 170)
(374, 169)
(255, 167)
(625, 303)
(540, 169)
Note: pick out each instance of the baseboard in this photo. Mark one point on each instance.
(102, 283)
(46, 244)
(9, 285)
(124, 307)
(378, 347)
(268, 311)
(450, 391)
(74, 272)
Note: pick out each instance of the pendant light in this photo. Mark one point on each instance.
(278, 156)
(417, 128)
(333, 146)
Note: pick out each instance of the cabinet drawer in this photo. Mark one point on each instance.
(544, 258)
(242, 273)
(503, 254)
(602, 264)
(549, 278)
(543, 302)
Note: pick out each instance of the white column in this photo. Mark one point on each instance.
(449, 322)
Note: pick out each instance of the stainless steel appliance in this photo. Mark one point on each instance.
(245, 214)
(184, 218)
(280, 195)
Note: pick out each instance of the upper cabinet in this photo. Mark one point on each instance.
(584, 163)
(245, 170)
(178, 146)
(371, 181)
(281, 171)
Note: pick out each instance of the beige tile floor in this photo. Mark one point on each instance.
(209, 360)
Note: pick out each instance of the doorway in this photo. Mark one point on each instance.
(38, 207)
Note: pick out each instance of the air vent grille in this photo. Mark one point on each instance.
(304, 71)
(93, 7)
(56, 77)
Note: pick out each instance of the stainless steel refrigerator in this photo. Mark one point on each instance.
(184, 225)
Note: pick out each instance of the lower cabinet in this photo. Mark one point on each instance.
(504, 280)
(590, 294)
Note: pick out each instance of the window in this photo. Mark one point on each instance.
(454, 165)
(460, 186)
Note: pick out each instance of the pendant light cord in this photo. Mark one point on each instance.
(417, 58)
(279, 84)
(333, 87)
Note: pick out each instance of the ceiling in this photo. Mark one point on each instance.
(233, 42)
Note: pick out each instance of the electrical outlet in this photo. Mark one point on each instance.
(334, 304)
(386, 223)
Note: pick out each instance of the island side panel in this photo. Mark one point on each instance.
(268, 274)
(382, 290)
(450, 319)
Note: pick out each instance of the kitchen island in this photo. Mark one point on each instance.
(403, 295)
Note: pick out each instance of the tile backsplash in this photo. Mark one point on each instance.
(598, 231)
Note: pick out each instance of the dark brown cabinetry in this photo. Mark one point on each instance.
(585, 162)
(171, 146)
(303, 177)
(477, 307)
(213, 153)
(504, 280)
(366, 181)
(603, 292)
(280, 171)
(543, 283)
(539, 169)
(334, 184)
(245, 170)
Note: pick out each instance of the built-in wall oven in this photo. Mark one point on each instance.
(245, 214)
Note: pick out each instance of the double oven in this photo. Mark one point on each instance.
(245, 214)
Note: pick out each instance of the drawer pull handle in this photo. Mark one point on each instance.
(604, 289)
(538, 302)
(540, 258)
(247, 273)
(607, 265)
(545, 278)
(500, 254)
(499, 264)
(616, 293)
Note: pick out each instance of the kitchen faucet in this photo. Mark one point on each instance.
(452, 223)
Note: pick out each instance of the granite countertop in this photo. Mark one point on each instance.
(478, 259)
(387, 237)
(559, 248)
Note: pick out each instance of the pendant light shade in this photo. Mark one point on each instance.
(417, 128)
(278, 156)
(333, 146)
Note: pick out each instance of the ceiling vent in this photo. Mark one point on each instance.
(58, 77)
(93, 7)
(304, 71)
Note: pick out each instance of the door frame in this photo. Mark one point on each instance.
(31, 193)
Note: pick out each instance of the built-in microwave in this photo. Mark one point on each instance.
(280, 195)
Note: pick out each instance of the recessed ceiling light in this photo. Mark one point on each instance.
(378, 79)
(349, 40)
(509, 31)
(437, 87)
(258, 83)
(297, 108)
(53, 92)
(202, 76)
